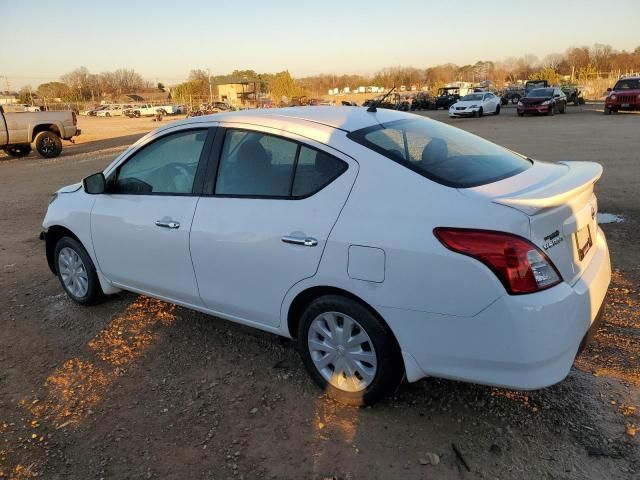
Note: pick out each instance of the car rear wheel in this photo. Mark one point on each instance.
(19, 151)
(348, 351)
(76, 272)
(48, 144)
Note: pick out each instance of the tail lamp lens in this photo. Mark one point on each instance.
(519, 264)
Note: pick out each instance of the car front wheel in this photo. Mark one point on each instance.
(348, 351)
(76, 272)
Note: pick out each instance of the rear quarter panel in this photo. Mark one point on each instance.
(396, 210)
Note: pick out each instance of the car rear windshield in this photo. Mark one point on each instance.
(628, 84)
(541, 92)
(444, 154)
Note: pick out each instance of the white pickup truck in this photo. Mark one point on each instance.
(148, 110)
(44, 130)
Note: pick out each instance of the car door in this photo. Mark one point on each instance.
(264, 226)
(140, 228)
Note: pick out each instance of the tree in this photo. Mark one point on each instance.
(25, 94)
(548, 74)
(52, 90)
(161, 86)
(284, 86)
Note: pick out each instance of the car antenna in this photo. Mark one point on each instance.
(373, 108)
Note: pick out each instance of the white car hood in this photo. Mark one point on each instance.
(467, 103)
(71, 188)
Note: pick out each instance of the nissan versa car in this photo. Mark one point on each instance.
(388, 245)
(543, 100)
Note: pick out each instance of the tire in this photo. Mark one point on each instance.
(478, 113)
(330, 313)
(19, 151)
(564, 108)
(515, 99)
(48, 144)
(107, 114)
(520, 114)
(81, 284)
(607, 111)
(497, 112)
(552, 110)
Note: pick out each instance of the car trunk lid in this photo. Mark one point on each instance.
(559, 202)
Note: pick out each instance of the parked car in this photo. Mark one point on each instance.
(475, 105)
(625, 95)
(387, 244)
(113, 111)
(573, 93)
(543, 100)
(44, 130)
(93, 111)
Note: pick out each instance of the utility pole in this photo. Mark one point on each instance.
(210, 91)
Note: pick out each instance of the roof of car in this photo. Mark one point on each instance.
(347, 119)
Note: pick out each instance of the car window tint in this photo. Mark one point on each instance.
(256, 164)
(314, 171)
(167, 165)
(442, 153)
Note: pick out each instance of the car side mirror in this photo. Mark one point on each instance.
(94, 184)
(609, 90)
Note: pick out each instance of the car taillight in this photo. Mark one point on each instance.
(75, 118)
(519, 264)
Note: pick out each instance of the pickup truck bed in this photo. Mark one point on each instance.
(44, 130)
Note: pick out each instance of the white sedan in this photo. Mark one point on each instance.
(388, 245)
(475, 105)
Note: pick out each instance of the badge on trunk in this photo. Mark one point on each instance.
(552, 240)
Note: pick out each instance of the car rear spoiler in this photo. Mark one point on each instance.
(580, 176)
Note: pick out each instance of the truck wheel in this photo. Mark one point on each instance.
(19, 151)
(607, 111)
(48, 144)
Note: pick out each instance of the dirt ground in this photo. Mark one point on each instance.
(137, 388)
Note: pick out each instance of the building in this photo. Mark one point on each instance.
(8, 98)
(238, 91)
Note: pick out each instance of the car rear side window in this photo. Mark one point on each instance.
(254, 164)
(444, 154)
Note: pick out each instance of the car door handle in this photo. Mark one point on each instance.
(306, 241)
(167, 224)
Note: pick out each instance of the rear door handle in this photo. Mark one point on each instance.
(167, 224)
(306, 241)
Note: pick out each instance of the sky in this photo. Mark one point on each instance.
(163, 40)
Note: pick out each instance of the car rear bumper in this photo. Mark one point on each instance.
(523, 341)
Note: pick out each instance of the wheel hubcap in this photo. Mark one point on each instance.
(47, 145)
(73, 272)
(342, 351)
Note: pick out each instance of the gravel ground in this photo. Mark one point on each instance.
(137, 388)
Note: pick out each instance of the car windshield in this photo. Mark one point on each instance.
(444, 154)
(541, 92)
(628, 84)
(472, 96)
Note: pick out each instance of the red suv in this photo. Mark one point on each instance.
(625, 95)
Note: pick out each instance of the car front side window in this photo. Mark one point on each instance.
(166, 166)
